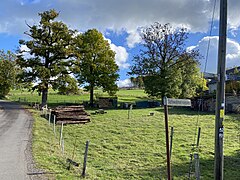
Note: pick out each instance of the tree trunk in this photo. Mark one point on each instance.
(91, 96)
(44, 95)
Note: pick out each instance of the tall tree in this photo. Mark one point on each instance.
(96, 66)
(50, 50)
(163, 50)
(7, 72)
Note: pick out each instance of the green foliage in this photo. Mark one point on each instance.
(66, 85)
(233, 86)
(96, 64)
(162, 60)
(191, 81)
(7, 72)
(49, 53)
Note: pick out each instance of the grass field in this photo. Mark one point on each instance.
(56, 99)
(134, 148)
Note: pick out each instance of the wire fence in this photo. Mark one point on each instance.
(151, 152)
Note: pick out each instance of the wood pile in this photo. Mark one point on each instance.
(71, 115)
(107, 102)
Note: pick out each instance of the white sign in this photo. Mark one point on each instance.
(178, 102)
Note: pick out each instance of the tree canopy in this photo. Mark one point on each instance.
(66, 85)
(7, 72)
(96, 66)
(49, 51)
(164, 63)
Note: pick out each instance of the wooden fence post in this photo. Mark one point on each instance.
(171, 141)
(198, 138)
(167, 138)
(85, 160)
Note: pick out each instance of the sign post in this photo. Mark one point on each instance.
(167, 138)
(171, 102)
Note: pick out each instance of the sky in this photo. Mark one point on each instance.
(120, 22)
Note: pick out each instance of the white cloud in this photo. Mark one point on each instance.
(133, 38)
(232, 53)
(121, 56)
(116, 15)
(25, 52)
(124, 83)
(120, 16)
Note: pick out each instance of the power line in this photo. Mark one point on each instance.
(201, 95)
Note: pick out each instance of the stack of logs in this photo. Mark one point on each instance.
(71, 115)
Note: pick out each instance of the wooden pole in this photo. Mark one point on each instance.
(85, 160)
(198, 138)
(167, 138)
(220, 98)
(171, 141)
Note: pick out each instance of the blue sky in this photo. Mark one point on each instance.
(120, 21)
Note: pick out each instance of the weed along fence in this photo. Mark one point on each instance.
(61, 116)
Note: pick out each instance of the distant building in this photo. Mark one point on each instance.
(231, 71)
(212, 84)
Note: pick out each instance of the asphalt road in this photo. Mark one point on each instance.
(15, 129)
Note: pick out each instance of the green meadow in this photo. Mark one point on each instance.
(132, 147)
(56, 99)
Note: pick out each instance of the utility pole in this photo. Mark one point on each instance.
(220, 98)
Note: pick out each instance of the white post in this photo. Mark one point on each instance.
(54, 126)
(49, 116)
(61, 136)
(129, 111)
(197, 167)
(62, 146)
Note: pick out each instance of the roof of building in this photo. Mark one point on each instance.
(231, 71)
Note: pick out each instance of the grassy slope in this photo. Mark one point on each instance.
(122, 148)
(54, 98)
